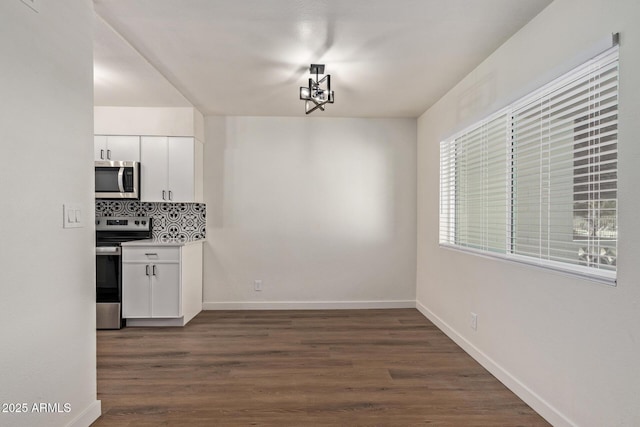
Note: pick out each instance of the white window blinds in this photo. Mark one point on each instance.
(564, 146)
(538, 182)
(473, 195)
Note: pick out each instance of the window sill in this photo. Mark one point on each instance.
(604, 277)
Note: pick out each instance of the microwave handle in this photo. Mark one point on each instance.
(121, 180)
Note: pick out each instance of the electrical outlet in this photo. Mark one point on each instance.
(257, 285)
(474, 321)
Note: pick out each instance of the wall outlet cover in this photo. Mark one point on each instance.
(474, 321)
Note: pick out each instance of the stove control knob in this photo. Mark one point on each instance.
(144, 222)
(137, 222)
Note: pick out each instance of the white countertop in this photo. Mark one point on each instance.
(150, 242)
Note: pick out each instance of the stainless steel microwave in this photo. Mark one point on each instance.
(117, 180)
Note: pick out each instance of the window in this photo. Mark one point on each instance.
(473, 190)
(537, 182)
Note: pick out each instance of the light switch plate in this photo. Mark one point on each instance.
(72, 215)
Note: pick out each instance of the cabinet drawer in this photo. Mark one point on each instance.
(150, 254)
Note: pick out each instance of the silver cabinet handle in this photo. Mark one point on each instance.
(151, 254)
(147, 269)
(154, 270)
(102, 154)
(170, 195)
(109, 154)
(164, 195)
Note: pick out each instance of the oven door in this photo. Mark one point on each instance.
(108, 287)
(108, 274)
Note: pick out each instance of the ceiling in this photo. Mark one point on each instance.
(386, 58)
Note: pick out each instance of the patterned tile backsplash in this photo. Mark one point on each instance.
(172, 222)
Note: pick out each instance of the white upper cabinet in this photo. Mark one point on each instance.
(169, 169)
(181, 169)
(154, 171)
(113, 147)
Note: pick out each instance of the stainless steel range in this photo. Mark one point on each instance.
(110, 233)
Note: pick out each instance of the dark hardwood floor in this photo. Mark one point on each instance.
(299, 368)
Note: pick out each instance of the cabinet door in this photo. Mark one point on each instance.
(154, 171)
(136, 290)
(100, 147)
(123, 148)
(181, 172)
(166, 295)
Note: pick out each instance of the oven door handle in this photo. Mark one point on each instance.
(108, 250)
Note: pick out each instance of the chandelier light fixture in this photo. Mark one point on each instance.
(319, 92)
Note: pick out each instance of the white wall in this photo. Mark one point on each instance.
(568, 346)
(47, 273)
(322, 210)
(159, 121)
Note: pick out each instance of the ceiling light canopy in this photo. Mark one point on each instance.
(319, 92)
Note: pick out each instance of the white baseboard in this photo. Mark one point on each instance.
(541, 406)
(159, 322)
(306, 305)
(88, 416)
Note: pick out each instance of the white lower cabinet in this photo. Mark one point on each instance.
(161, 286)
(152, 290)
